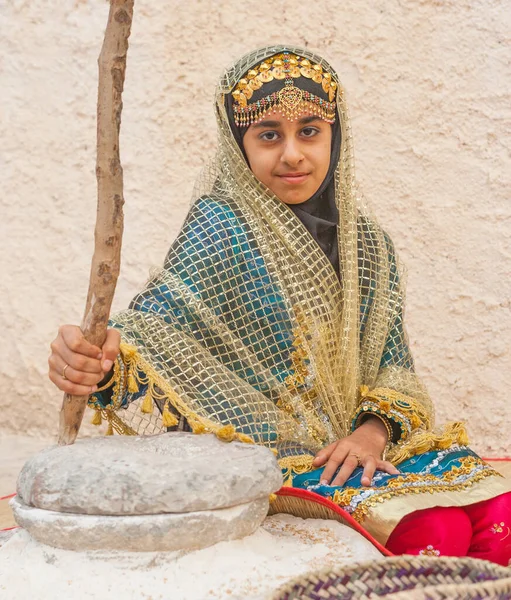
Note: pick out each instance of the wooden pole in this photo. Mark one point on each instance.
(106, 260)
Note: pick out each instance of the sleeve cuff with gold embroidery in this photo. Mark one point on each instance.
(112, 392)
(403, 413)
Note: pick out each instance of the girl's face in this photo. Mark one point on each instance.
(290, 157)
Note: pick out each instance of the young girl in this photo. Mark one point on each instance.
(277, 318)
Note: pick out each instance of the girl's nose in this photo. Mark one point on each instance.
(292, 154)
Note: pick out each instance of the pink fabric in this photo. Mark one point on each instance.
(481, 530)
(491, 529)
(434, 531)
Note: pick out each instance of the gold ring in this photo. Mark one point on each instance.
(359, 460)
(64, 372)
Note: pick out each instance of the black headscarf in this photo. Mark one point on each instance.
(319, 214)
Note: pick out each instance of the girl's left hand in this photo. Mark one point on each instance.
(363, 448)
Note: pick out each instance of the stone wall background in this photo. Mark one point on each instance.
(429, 86)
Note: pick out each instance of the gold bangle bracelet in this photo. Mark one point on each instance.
(109, 383)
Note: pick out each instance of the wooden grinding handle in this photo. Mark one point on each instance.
(106, 260)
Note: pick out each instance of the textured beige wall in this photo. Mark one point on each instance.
(429, 85)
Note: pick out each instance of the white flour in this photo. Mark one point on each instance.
(248, 569)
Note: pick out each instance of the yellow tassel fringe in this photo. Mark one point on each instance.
(110, 430)
(452, 433)
(96, 419)
(197, 426)
(295, 465)
(168, 418)
(132, 384)
(227, 433)
(147, 404)
(128, 352)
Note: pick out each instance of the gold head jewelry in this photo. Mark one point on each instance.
(291, 101)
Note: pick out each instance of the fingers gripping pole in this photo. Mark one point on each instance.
(109, 221)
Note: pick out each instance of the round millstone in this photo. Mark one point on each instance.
(143, 533)
(168, 473)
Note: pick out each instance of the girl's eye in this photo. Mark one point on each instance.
(269, 136)
(310, 131)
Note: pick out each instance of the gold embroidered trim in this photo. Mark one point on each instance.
(295, 465)
(396, 486)
(300, 403)
(407, 412)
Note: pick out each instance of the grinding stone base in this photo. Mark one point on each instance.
(145, 533)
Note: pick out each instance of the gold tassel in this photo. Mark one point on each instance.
(110, 429)
(461, 434)
(147, 404)
(453, 433)
(288, 479)
(444, 444)
(132, 384)
(197, 427)
(128, 351)
(96, 419)
(273, 497)
(227, 433)
(168, 418)
(297, 464)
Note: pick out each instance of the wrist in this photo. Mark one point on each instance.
(378, 427)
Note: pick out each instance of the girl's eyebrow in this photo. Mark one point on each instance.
(262, 124)
(307, 120)
(275, 124)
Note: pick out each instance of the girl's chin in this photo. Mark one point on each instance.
(292, 196)
(299, 195)
(294, 199)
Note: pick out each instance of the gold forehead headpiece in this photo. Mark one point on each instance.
(291, 101)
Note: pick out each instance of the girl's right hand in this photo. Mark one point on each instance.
(75, 366)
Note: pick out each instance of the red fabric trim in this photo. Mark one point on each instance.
(317, 499)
